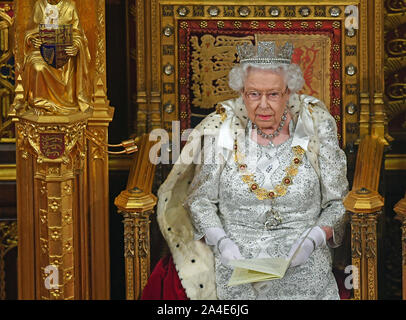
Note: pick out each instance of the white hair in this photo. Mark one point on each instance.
(292, 74)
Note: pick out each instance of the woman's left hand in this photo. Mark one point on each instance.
(229, 251)
(315, 239)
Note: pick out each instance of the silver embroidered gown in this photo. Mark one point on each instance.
(219, 198)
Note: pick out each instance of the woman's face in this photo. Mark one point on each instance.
(265, 95)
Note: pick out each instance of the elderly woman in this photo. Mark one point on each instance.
(272, 175)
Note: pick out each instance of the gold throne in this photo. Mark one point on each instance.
(184, 53)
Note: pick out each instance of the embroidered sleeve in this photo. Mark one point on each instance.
(333, 180)
(203, 193)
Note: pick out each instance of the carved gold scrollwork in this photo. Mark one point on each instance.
(370, 237)
(143, 250)
(396, 6)
(397, 89)
(143, 238)
(129, 250)
(6, 74)
(29, 138)
(96, 149)
(136, 252)
(397, 47)
(8, 240)
(364, 258)
(356, 247)
(136, 232)
(212, 58)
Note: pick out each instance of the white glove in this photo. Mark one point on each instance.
(227, 248)
(262, 288)
(229, 251)
(315, 239)
(213, 235)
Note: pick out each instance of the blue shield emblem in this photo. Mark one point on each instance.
(55, 39)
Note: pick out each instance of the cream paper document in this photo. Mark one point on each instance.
(263, 269)
(255, 270)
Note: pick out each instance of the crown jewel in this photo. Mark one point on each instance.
(266, 52)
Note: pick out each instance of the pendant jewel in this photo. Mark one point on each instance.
(273, 220)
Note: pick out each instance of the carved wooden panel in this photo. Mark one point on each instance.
(395, 65)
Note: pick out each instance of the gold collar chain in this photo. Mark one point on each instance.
(280, 189)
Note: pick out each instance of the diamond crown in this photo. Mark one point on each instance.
(266, 52)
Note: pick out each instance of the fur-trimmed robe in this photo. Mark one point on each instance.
(194, 259)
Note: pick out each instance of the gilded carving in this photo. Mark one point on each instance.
(167, 11)
(395, 62)
(56, 61)
(130, 279)
(396, 6)
(29, 139)
(378, 32)
(356, 240)
(290, 11)
(320, 11)
(364, 51)
(155, 55)
(229, 11)
(129, 249)
(97, 150)
(370, 238)
(212, 58)
(51, 137)
(356, 262)
(100, 48)
(44, 245)
(140, 46)
(363, 252)
(142, 226)
(8, 241)
(7, 77)
(136, 251)
(372, 279)
(396, 89)
(397, 47)
(259, 11)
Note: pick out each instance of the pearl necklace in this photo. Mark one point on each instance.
(277, 131)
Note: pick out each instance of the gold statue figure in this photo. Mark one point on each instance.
(55, 34)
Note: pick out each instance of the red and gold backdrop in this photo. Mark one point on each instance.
(193, 48)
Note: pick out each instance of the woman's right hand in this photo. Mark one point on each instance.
(229, 251)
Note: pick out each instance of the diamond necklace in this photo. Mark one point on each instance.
(277, 131)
